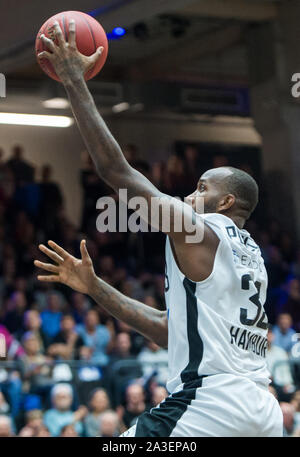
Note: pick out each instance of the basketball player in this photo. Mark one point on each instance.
(215, 325)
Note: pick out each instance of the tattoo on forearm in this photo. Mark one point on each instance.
(148, 321)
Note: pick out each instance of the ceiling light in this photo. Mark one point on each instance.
(120, 107)
(41, 120)
(116, 34)
(56, 103)
(119, 31)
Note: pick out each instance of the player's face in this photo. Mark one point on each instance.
(210, 189)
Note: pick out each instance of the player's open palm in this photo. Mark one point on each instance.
(66, 269)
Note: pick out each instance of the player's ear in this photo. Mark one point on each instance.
(226, 202)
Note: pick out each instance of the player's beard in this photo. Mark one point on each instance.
(210, 206)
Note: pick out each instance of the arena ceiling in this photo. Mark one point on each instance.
(165, 39)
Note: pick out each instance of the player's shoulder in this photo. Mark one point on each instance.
(217, 219)
(224, 226)
(215, 223)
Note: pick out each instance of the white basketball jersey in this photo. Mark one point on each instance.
(218, 325)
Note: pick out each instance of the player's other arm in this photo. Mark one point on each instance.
(106, 153)
(79, 274)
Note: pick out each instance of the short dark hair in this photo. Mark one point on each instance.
(244, 188)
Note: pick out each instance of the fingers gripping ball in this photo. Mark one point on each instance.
(90, 35)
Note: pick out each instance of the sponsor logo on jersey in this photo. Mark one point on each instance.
(234, 233)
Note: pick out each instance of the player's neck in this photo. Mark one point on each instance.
(239, 221)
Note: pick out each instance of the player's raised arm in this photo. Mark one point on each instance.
(79, 274)
(71, 66)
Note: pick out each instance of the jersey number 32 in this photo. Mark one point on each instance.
(260, 320)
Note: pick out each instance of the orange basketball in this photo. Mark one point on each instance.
(89, 36)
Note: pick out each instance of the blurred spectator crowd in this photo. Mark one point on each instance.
(70, 368)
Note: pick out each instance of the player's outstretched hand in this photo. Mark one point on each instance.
(78, 274)
(67, 61)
